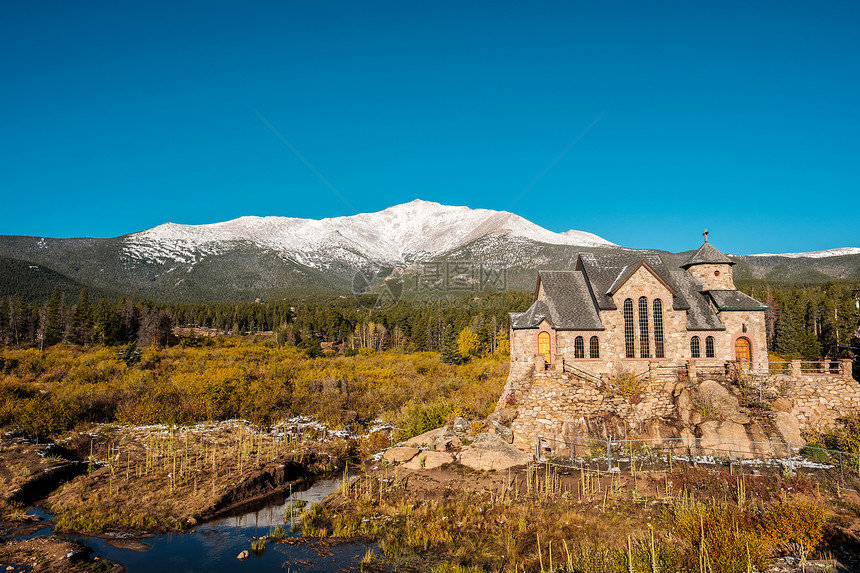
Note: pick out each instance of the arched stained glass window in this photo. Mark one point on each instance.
(694, 347)
(629, 343)
(644, 351)
(594, 347)
(659, 349)
(709, 347)
(578, 347)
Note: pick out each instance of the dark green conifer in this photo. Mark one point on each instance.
(450, 352)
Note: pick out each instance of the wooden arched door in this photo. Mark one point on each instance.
(543, 345)
(742, 351)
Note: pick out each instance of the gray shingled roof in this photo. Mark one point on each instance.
(707, 253)
(570, 304)
(603, 270)
(532, 317)
(735, 300)
(574, 298)
(700, 314)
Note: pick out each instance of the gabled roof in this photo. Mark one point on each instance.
(603, 270)
(734, 300)
(573, 299)
(531, 318)
(629, 271)
(707, 254)
(568, 301)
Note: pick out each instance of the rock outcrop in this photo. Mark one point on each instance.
(489, 452)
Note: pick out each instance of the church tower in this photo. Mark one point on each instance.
(711, 267)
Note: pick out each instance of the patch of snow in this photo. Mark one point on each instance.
(814, 254)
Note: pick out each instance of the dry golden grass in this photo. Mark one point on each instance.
(159, 478)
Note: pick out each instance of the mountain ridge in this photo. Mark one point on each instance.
(274, 257)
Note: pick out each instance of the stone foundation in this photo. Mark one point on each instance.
(554, 404)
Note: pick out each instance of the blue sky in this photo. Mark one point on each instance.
(737, 116)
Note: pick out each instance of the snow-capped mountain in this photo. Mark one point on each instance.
(279, 257)
(813, 254)
(395, 237)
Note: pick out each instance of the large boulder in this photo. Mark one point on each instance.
(400, 455)
(427, 439)
(489, 452)
(725, 404)
(788, 427)
(429, 461)
(728, 438)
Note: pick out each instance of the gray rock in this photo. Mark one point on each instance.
(460, 425)
(505, 433)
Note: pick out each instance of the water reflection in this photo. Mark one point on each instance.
(214, 546)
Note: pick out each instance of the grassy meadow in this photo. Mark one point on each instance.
(46, 393)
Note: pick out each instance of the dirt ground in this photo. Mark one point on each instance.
(51, 554)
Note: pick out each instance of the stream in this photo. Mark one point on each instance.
(214, 546)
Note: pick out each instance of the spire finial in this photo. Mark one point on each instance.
(706, 235)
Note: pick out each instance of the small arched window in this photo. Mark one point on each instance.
(578, 347)
(644, 350)
(594, 348)
(709, 347)
(659, 349)
(694, 347)
(543, 345)
(629, 348)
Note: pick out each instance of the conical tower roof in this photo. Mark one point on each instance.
(707, 254)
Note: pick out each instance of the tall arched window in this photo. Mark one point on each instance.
(543, 345)
(694, 347)
(644, 351)
(629, 348)
(659, 350)
(594, 348)
(709, 347)
(578, 347)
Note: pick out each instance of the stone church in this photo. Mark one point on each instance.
(626, 343)
(630, 312)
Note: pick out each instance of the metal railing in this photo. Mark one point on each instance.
(614, 455)
(581, 373)
(821, 367)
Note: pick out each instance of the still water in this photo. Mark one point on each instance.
(214, 546)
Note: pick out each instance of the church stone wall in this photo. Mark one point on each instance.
(714, 276)
(736, 322)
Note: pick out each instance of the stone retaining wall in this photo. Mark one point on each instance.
(554, 403)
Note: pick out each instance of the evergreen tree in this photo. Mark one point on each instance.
(4, 322)
(107, 323)
(450, 352)
(52, 329)
(82, 320)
